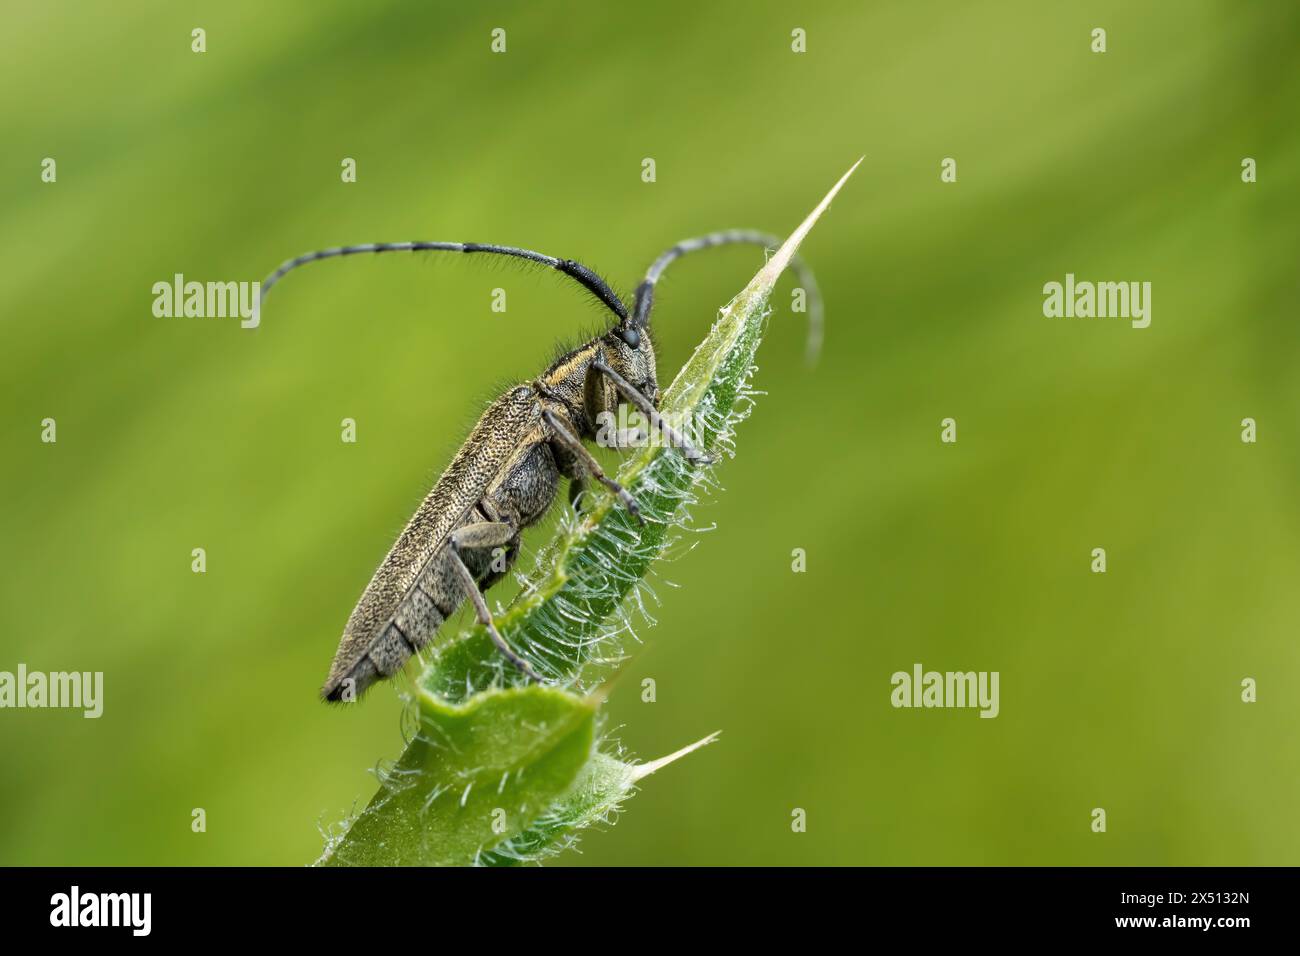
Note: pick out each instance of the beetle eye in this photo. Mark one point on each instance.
(631, 336)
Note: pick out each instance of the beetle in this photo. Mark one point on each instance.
(465, 535)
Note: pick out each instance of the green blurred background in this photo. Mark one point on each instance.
(1118, 691)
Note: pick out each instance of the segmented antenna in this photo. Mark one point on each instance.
(574, 270)
(645, 291)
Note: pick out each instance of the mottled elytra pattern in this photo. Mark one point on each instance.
(414, 589)
(465, 535)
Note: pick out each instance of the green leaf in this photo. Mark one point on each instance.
(500, 771)
(475, 775)
(572, 610)
(595, 798)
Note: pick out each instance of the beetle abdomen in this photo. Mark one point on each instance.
(371, 647)
(435, 596)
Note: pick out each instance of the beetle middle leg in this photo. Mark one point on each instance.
(482, 535)
(573, 444)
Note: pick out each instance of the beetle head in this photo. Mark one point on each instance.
(630, 352)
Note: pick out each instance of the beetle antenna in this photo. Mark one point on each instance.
(816, 310)
(574, 270)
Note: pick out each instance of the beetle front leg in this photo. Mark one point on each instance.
(646, 407)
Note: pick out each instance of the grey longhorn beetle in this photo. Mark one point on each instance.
(465, 535)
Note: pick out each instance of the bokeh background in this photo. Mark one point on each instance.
(1119, 691)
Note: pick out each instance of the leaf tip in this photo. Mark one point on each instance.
(642, 770)
(776, 265)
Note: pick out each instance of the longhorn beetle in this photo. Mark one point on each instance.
(507, 474)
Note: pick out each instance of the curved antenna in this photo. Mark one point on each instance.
(574, 270)
(816, 310)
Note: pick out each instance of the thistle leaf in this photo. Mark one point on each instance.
(565, 617)
(594, 799)
(475, 775)
(501, 772)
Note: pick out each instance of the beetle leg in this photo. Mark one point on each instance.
(647, 408)
(486, 534)
(576, 488)
(574, 444)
